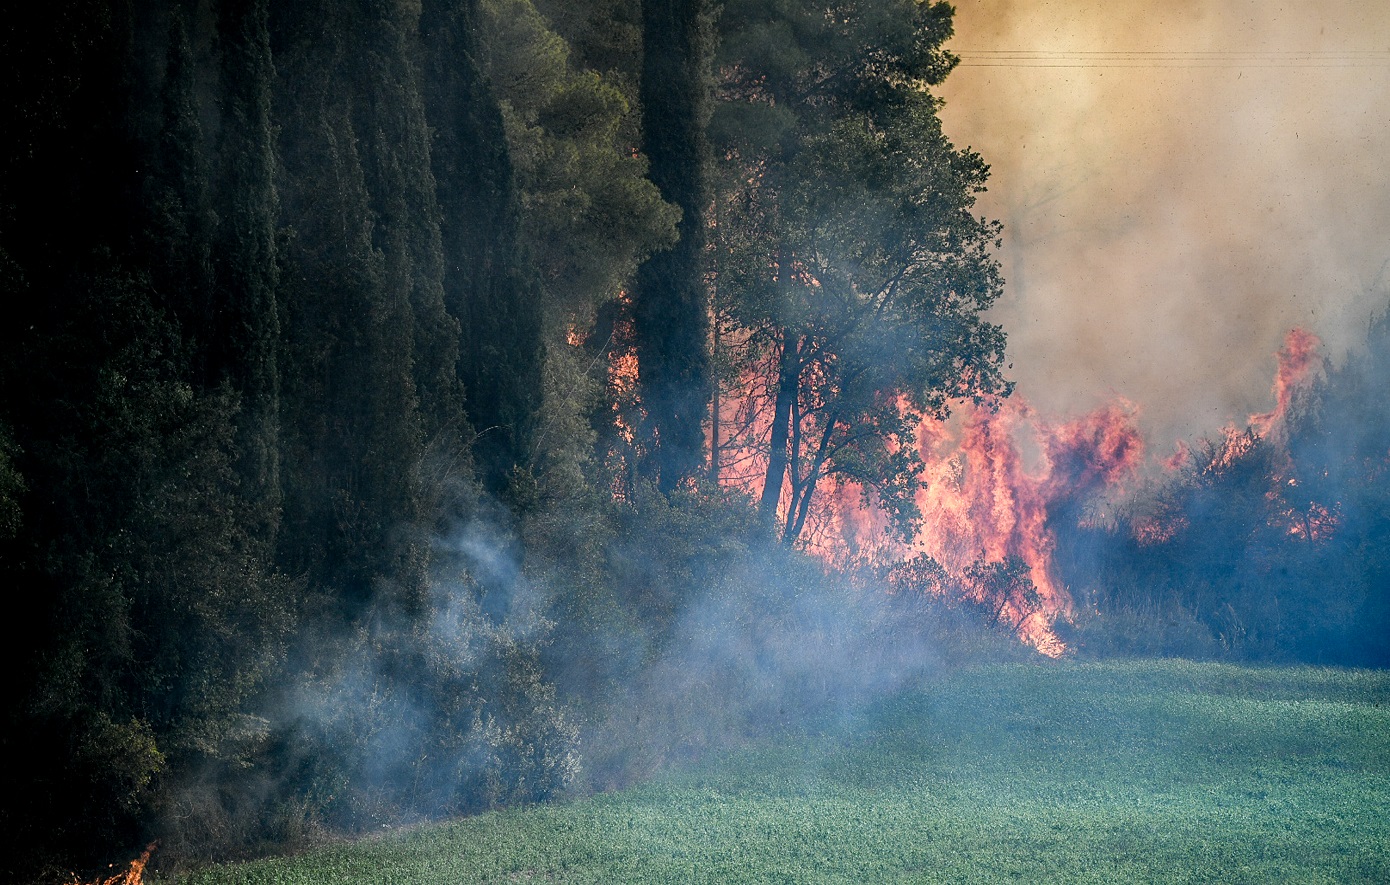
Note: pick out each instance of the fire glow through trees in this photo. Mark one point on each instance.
(997, 479)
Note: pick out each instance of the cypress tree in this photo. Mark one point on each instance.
(670, 307)
(178, 231)
(158, 617)
(396, 150)
(486, 285)
(348, 387)
(68, 185)
(241, 333)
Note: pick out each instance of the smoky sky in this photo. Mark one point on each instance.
(1180, 183)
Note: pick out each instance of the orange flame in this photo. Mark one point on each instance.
(1181, 453)
(134, 875)
(625, 406)
(981, 504)
(1299, 359)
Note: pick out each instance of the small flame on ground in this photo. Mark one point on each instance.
(134, 875)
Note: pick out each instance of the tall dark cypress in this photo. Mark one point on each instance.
(242, 331)
(350, 401)
(68, 184)
(670, 306)
(396, 161)
(486, 284)
(176, 238)
(158, 616)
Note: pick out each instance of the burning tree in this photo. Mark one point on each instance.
(852, 272)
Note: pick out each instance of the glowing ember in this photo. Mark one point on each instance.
(626, 412)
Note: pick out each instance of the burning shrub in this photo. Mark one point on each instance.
(1262, 543)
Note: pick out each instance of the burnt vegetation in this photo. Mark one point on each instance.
(357, 378)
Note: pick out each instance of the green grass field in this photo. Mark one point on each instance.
(1124, 772)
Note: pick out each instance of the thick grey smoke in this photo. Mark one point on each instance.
(1169, 218)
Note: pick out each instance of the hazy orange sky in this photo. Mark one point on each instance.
(1180, 182)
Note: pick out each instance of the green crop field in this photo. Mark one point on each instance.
(1124, 772)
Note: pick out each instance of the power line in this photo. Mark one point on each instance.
(1180, 51)
(1196, 58)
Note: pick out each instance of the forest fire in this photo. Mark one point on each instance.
(413, 410)
(982, 507)
(999, 480)
(983, 510)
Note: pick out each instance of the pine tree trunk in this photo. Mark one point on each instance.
(787, 376)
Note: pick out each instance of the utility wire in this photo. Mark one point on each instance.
(1197, 58)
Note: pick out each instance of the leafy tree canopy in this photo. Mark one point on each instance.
(853, 266)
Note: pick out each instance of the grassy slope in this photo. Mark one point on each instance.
(1144, 772)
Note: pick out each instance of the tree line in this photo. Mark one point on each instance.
(315, 482)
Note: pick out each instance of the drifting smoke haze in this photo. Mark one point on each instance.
(1180, 184)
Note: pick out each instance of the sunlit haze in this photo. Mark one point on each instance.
(1180, 184)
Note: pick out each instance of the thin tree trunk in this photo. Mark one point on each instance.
(714, 400)
(787, 376)
(803, 507)
(794, 438)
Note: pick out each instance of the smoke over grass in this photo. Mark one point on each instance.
(1169, 216)
(703, 634)
(647, 636)
(1119, 772)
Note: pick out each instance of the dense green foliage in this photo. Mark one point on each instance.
(270, 333)
(1142, 772)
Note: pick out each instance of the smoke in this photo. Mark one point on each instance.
(1168, 218)
(774, 643)
(412, 714)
